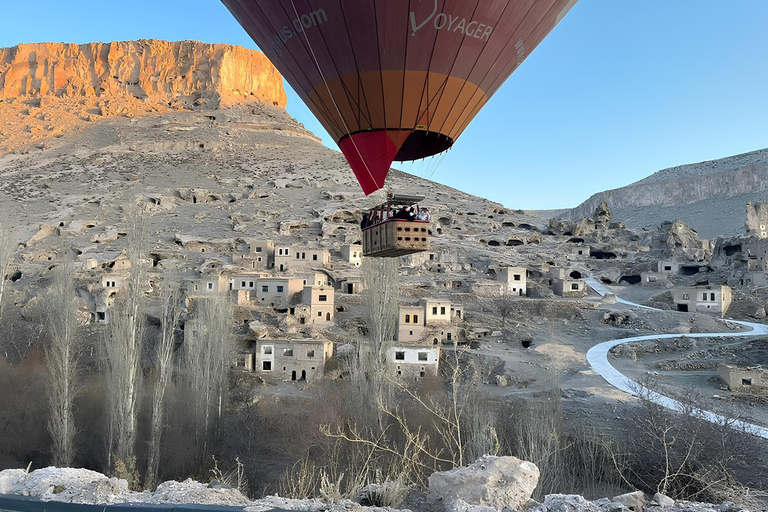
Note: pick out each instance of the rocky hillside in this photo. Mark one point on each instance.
(50, 89)
(708, 196)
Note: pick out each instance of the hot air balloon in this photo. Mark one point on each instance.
(396, 80)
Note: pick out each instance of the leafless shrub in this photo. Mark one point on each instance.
(682, 454)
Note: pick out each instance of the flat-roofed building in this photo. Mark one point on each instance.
(291, 360)
(706, 299)
(513, 279)
(278, 292)
(321, 302)
(299, 257)
(413, 362)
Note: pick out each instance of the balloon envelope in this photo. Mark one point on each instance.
(396, 79)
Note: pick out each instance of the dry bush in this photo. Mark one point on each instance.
(24, 437)
(682, 455)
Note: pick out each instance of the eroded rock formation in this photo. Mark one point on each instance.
(186, 71)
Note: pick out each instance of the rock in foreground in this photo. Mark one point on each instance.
(496, 482)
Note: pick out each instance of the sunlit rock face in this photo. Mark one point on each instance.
(145, 69)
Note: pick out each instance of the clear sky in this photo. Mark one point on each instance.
(619, 90)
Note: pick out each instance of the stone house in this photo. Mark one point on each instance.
(320, 301)
(257, 255)
(207, 285)
(290, 360)
(278, 292)
(754, 279)
(745, 380)
(705, 299)
(351, 284)
(577, 252)
(568, 285)
(352, 254)
(429, 322)
(513, 279)
(248, 281)
(298, 257)
(413, 362)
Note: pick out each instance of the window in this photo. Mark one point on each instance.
(712, 296)
(450, 336)
(704, 296)
(322, 298)
(280, 252)
(415, 319)
(288, 352)
(242, 284)
(667, 268)
(407, 319)
(195, 287)
(442, 310)
(251, 284)
(266, 366)
(574, 286)
(399, 356)
(267, 350)
(517, 277)
(265, 288)
(686, 296)
(354, 255)
(280, 289)
(434, 310)
(423, 356)
(258, 259)
(210, 286)
(314, 257)
(320, 313)
(746, 382)
(311, 354)
(258, 249)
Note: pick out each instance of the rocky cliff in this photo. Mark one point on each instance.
(51, 89)
(709, 196)
(145, 69)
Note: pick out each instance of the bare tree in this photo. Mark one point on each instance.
(62, 359)
(123, 348)
(504, 304)
(7, 248)
(381, 280)
(163, 370)
(208, 347)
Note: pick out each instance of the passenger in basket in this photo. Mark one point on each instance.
(423, 214)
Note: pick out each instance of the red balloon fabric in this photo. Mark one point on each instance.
(396, 79)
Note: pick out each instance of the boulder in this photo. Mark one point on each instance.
(663, 500)
(496, 482)
(501, 381)
(634, 501)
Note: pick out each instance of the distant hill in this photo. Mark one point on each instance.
(708, 196)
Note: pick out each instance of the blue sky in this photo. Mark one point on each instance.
(619, 90)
